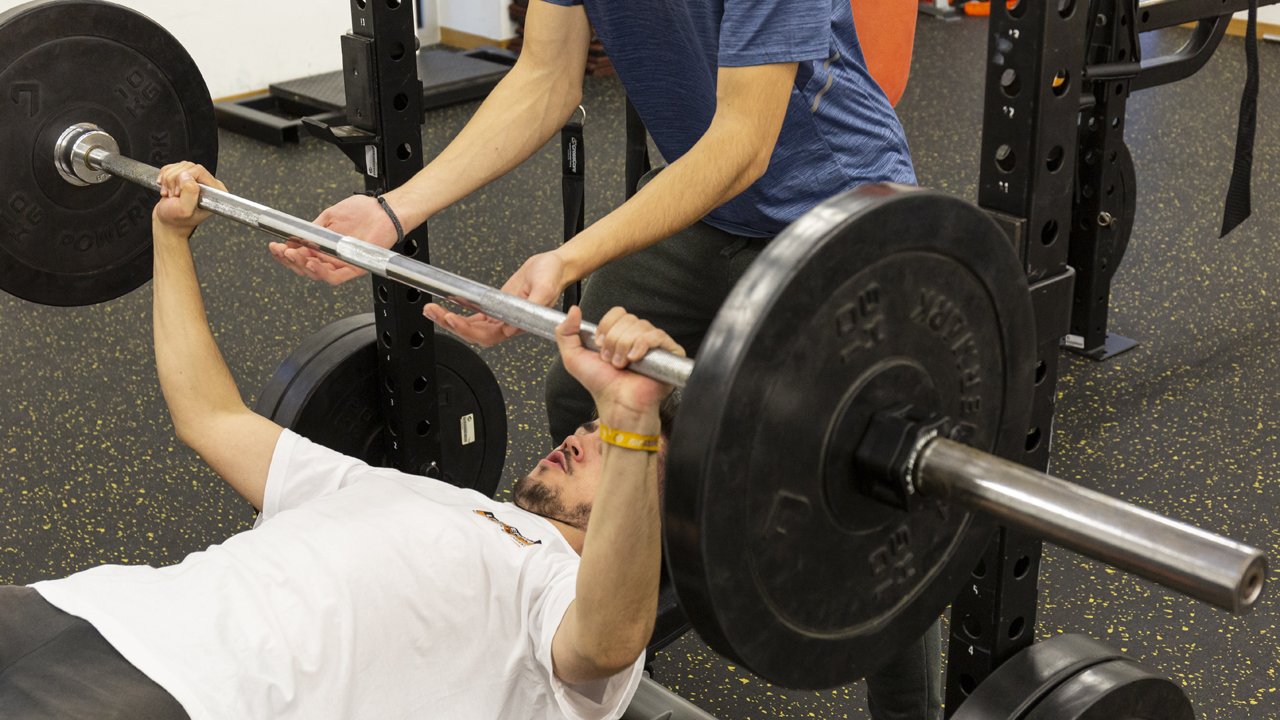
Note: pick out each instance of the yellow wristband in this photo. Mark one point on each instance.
(630, 441)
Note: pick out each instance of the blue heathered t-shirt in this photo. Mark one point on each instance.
(839, 131)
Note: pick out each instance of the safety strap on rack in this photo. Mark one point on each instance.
(574, 192)
(1238, 206)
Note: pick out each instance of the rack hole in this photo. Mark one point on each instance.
(1033, 439)
(397, 51)
(981, 570)
(972, 626)
(361, 3)
(1010, 83)
(393, 4)
(1119, 88)
(404, 152)
(1066, 7)
(410, 247)
(1054, 161)
(382, 293)
(1041, 371)
(416, 340)
(1146, 15)
(419, 384)
(1016, 627)
(386, 339)
(1114, 155)
(400, 101)
(1021, 567)
(1049, 232)
(391, 384)
(1115, 122)
(412, 295)
(1006, 160)
(967, 684)
(1122, 54)
(1086, 190)
(423, 427)
(1061, 82)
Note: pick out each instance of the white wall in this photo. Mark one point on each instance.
(244, 45)
(1269, 14)
(486, 18)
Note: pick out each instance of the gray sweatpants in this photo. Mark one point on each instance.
(679, 284)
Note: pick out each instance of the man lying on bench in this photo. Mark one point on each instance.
(361, 592)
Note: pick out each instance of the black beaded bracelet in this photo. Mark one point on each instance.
(394, 220)
(390, 213)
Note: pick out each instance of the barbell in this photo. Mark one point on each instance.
(893, 446)
(843, 451)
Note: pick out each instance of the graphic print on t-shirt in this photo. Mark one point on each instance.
(514, 533)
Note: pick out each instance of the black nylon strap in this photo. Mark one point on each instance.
(637, 150)
(1238, 204)
(573, 189)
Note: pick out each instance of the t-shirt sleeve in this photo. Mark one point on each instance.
(604, 699)
(762, 32)
(564, 3)
(302, 470)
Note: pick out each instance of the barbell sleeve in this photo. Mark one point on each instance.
(516, 311)
(1195, 562)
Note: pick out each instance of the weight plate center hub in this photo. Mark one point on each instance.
(83, 61)
(883, 297)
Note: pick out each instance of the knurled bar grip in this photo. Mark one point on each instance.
(1195, 562)
(1205, 566)
(529, 316)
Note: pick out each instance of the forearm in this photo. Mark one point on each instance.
(734, 152)
(520, 115)
(617, 590)
(715, 170)
(193, 376)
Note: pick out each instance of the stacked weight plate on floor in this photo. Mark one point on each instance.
(327, 391)
(881, 297)
(1072, 677)
(70, 61)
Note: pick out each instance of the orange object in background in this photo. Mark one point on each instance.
(887, 34)
(983, 9)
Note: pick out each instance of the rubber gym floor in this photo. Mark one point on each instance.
(91, 473)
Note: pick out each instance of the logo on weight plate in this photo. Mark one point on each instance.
(19, 218)
(948, 323)
(136, 215)
(860, 324)
(893, 565)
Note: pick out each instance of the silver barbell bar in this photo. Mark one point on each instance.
(1217, 570)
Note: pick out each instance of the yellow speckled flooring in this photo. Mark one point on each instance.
(90, 471)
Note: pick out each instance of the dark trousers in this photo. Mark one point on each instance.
(679, 284)
(55, 666)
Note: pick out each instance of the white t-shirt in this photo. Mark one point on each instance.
(360, 593)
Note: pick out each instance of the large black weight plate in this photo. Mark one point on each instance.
(1116, 690)
(882, 295)
(1018, 685)
(327, 391)
(73, 61)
